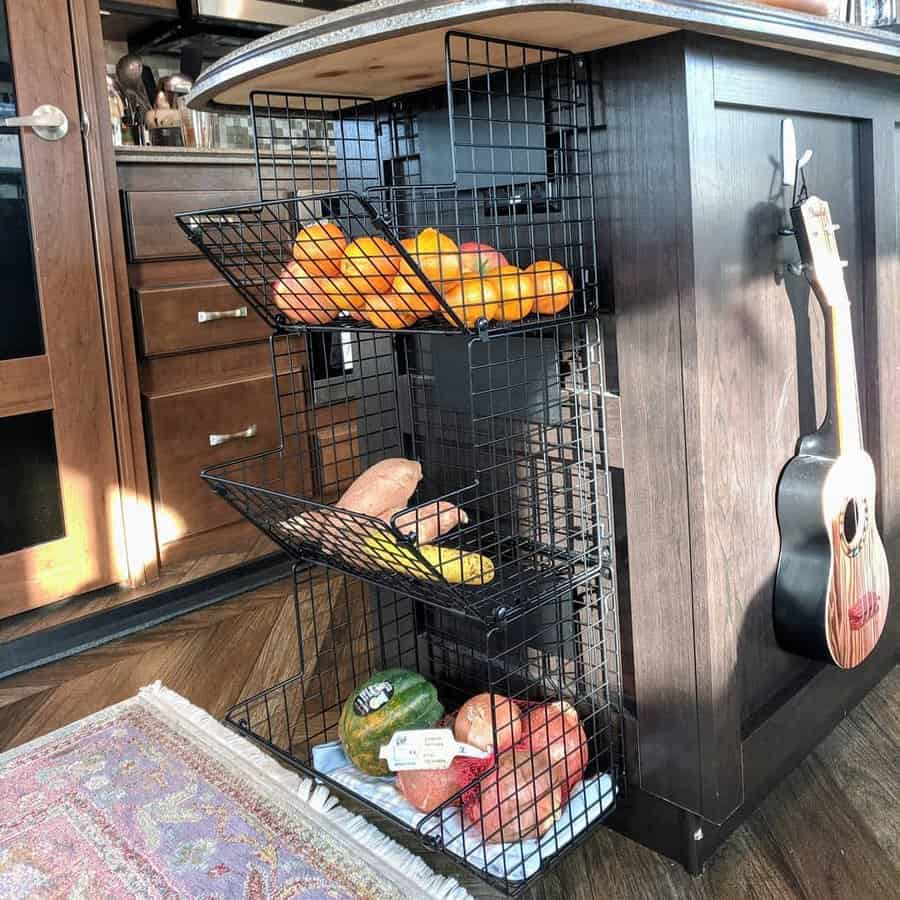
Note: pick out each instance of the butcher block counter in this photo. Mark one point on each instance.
(718, 348)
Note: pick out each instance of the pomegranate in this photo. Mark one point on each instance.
(519, 799)
(556, 729)
(474, 725)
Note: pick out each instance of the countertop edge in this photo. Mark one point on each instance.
(380, 20)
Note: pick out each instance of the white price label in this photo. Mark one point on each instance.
(426, 748)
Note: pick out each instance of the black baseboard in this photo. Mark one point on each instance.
(60, 641)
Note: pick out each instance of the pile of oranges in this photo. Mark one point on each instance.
(367, 278)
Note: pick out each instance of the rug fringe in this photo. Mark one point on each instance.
(307, 793)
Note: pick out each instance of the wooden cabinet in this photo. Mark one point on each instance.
(191, 429)
(153, 232)
(721, 368)
(182, 317)
(204, 359)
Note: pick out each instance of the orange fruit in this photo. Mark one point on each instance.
(517, 293)
(342, 293)
(387, 311)
(370, 263)
(320, 247)
(301, 297)
(553, 286)
(473, 298)
(415, 296)
(436, 254)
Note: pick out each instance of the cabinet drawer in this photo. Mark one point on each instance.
(152, 230)
(238, 419)
(194, 317)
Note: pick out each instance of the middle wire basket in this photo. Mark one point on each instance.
(510, 431)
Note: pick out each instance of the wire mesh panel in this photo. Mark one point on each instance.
(551, 764)
(509, 502)
(470, 210)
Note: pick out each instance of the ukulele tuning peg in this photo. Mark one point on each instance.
(831, 229)
(844, 263)
(796, 268)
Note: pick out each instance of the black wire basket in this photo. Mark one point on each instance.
(475, 214)
(436, 255)
(513, 501)
(553, 739)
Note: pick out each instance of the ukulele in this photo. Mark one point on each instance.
(832, 583)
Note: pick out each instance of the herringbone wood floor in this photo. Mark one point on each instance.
(830, 830)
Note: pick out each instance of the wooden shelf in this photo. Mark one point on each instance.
(391, 47)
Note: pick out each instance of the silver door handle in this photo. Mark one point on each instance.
(239, 313)
(48, 122)
(216, 439)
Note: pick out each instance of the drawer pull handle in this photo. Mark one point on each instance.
(216, 439)
(238, 313)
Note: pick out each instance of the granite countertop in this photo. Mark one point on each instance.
(387, 48)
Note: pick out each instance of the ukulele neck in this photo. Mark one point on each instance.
(842, 418)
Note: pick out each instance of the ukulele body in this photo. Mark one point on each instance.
(832, 584)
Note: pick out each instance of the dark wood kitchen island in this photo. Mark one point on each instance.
(714, 348)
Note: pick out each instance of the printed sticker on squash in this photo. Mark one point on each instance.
(372, 697)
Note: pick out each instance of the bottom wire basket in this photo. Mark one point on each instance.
(553, 739)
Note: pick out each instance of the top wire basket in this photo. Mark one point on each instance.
(463, 209)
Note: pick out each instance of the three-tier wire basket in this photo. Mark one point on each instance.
(390, 237)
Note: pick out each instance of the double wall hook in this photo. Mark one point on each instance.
(794, 177)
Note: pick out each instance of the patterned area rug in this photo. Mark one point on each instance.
(154, 798)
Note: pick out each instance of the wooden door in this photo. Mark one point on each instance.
(58, 481)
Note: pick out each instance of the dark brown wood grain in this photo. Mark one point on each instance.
(184, 371)
(153, 231)
(170, 324)
(644, 143)
(179, 426)
(172, 273)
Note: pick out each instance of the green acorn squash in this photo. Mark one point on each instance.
(392, 700)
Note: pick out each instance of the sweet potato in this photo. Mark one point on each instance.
(383, 489)
(431, 521)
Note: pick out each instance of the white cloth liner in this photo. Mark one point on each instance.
(515, 861)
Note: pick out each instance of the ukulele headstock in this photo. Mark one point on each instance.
(822, 262)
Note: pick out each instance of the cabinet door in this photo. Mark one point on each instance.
(57, 457)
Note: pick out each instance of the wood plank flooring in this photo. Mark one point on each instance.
(830, 830)
(171, 575)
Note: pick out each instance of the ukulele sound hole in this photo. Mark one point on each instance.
(853, 525)
(851, 521)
